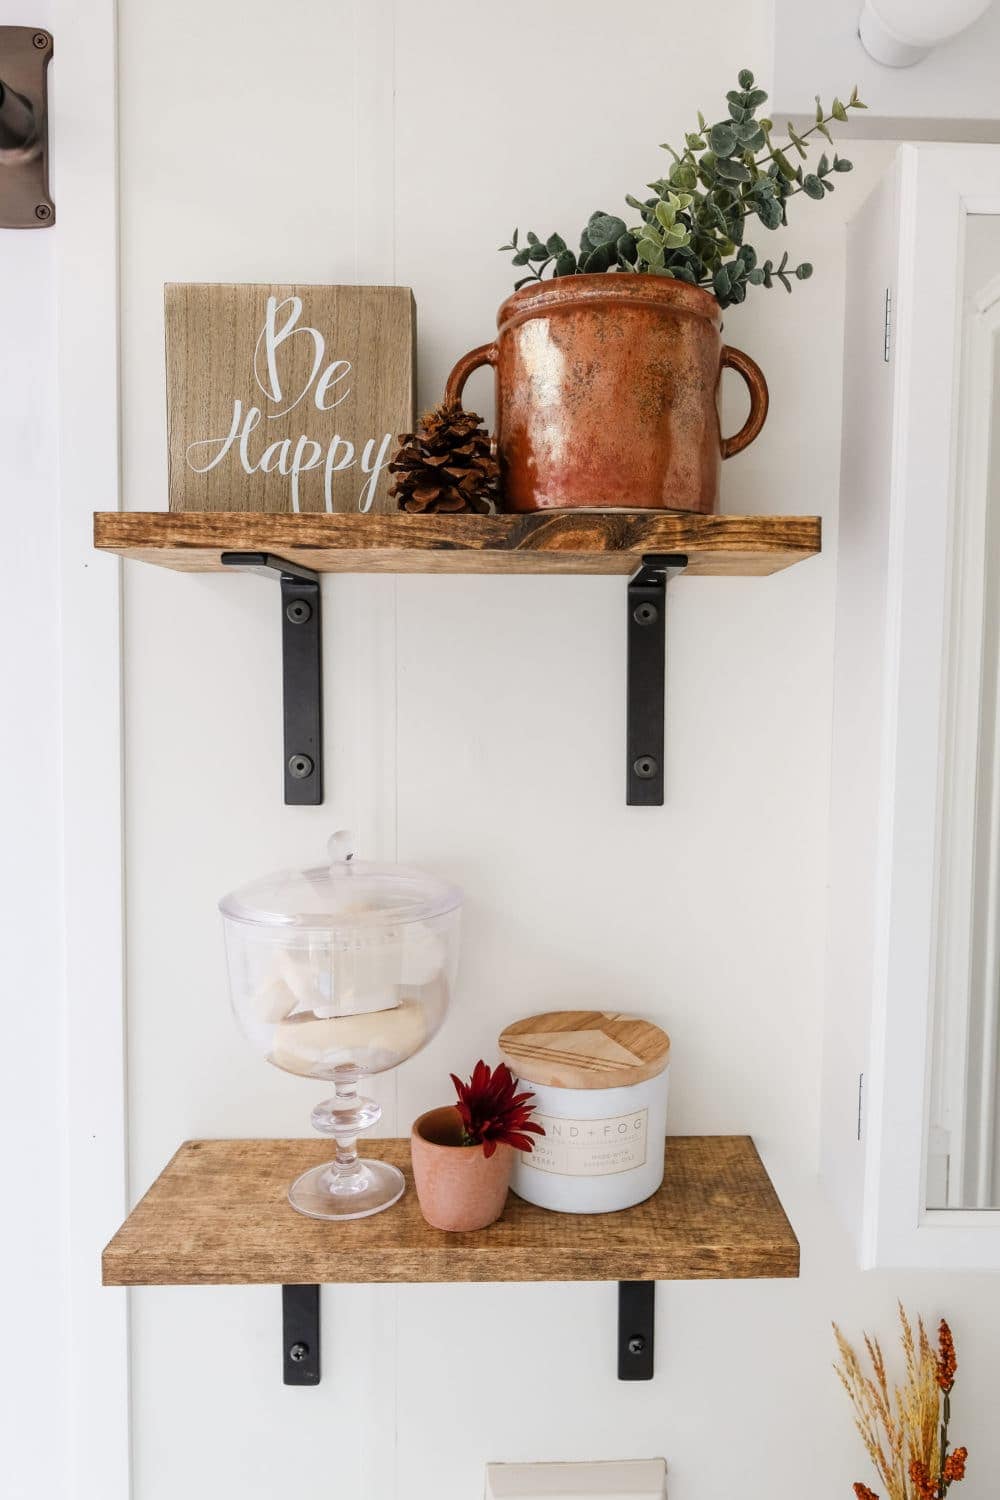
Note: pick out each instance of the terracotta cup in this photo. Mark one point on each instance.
(607, 394)
(458, 1187)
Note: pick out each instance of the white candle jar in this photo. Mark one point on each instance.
(600, 1083)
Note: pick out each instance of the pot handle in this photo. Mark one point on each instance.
(486, 354)
(735, 359)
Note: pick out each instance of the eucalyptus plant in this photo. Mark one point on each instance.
(692, 228)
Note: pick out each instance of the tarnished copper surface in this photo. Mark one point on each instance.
(607, 394)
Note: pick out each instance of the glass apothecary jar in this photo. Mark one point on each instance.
(337, 973)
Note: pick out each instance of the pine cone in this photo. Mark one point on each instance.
(447, 464)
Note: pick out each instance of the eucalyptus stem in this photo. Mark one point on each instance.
(692, 228)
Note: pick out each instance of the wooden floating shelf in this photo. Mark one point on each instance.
(218, 1214)
(567, 542)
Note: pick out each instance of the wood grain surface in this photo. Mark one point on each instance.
(570, 542)
(218, 1213)
(330, 373)
(584, 1049)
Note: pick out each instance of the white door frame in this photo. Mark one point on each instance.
(83, 129)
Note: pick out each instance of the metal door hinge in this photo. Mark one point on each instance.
(887, 329)
(25, 53)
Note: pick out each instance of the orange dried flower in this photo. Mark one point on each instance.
(947, 1362)
(864, 1493)
(954, 1465)
(924, 1487)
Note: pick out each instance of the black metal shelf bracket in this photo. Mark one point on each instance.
(647, 663)
(301, 671)
(300, 1334)
(636, 1318)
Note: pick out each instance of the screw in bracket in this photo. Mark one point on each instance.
(298, 1352)
(645, 767)
(43, 211)
(40, 40)
(298, 611)
(636, 1344)
(645, 614)
(300, 766)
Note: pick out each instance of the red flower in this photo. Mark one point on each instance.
(492, 1111)
(947, 1363)
(924, 1486)
(954, 1465)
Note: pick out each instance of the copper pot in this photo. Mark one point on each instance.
(607, 394)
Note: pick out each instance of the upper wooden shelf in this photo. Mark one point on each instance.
(567, 542)
(218, 1213)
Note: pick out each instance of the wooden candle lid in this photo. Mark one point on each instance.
(585, 1049)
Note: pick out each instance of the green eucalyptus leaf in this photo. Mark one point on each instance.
(812, 186)
(521, 258)
(751, 136)
(746, 79)
(626, 248)
(538, 253)
(755, 277)
(722, 139)
(838, 111)
(769, 212)
(841, 164)
(684, 177)
(599, 258)
(532, 237)
(605, 229)
(804, 271)
(665, 213)
(565, 264)
(555, 244)
(732, 171)
(721, 282)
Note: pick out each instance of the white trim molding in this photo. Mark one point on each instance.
(84, 134)
(907, 556)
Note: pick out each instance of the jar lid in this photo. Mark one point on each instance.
(585, 1049)
(346, 893)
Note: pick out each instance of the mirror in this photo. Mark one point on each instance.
(962, 1145)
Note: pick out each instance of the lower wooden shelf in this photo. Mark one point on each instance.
(218, 1214)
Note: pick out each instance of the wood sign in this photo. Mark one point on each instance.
(286, 398)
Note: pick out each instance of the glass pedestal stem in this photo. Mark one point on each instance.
(347, 1187)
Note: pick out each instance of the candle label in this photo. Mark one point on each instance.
(590, 1148)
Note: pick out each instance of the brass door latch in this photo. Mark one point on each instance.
(25, 52)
